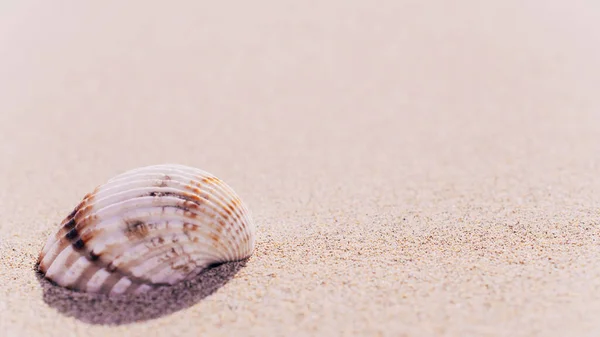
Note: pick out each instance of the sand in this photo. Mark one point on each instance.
(415, 168)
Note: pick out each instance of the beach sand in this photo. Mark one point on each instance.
(414, 168)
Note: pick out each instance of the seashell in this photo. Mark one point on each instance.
(151, 226)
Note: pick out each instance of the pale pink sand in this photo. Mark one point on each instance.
(415, 168)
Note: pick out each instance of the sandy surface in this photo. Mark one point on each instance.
(414, 168)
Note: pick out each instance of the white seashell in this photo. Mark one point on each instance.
(155, 225)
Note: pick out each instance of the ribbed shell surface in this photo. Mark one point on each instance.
(155, 225)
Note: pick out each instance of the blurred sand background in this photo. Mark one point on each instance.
(415, 168)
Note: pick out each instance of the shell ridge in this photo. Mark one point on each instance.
(221, 204)
(206, 207)
(167, 193)
(133, 260)
(184, 178)
(168, 212)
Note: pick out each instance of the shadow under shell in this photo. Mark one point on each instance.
(160, 301)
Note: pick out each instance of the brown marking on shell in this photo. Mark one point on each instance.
(70, 218)
(189, 214)
(82, 208)
(69, 233)
(196, 187)
(188, 197)
(157, 241)
(191, 202)
(219, 228)
(232, 205)
(89, 234)
(136, 229)
(186, 267)
(190, 226)
(78, 212)
(214, 238)
(93, 256)
(176, 256)
(174, 252)
(72, 235)
(236, 202)
(229, 209)
(191, 205)
(70, 224)
(82, 214)
(217, 242)
(110, 267)
(192, 187)
(212, 180)
(83, 222)
(222, 225)
(164, 182)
